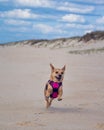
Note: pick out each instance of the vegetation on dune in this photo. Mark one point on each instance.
(87, 51)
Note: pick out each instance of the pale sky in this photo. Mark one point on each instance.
(49, 19)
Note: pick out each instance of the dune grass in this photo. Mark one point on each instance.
(87, 51)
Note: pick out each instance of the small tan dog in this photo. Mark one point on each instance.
(53, 87)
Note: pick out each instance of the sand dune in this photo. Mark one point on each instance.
(24, 70)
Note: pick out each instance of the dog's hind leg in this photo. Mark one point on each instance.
(46, 99)
(50, 102)
(47, 102)
(47, 96)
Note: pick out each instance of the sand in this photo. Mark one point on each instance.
(24, 71)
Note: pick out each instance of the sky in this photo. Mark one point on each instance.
(49, 19)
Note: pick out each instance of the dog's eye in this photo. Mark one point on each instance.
(56, 72)
(62, 73)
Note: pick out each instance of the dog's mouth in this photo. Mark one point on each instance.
(58, 78)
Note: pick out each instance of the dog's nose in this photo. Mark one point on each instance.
(60, 75)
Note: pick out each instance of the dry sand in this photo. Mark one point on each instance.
(23, 74)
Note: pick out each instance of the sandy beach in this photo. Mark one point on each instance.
(24, 71)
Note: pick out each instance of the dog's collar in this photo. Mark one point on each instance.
(55, 84)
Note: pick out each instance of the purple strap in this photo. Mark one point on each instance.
(55, 84)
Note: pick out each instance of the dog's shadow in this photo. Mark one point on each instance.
(65, 109)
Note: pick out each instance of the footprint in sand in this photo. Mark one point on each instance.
(100, 126)
(29, 123)
(84, 105)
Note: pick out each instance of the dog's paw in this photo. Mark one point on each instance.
(59, 99)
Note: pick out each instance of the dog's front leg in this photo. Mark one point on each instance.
(60, 92)
(48, 91)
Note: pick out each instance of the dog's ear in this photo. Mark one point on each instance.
(52, 67)
(64, 67)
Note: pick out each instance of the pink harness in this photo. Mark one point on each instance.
(55, 86)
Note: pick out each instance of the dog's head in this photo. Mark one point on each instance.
(57, 75)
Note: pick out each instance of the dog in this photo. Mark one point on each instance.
(53, 88)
